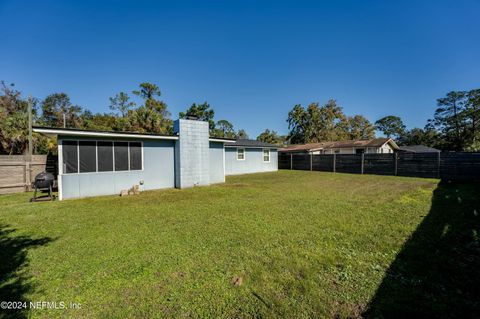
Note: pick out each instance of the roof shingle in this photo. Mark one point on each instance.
(250, 143)
(375, 142)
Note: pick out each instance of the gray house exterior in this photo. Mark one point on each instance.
(93, 163)
(257, 157)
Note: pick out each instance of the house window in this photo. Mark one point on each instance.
(135, 156)
(337, 151)
(87, 156)
(120, 150)
(240, 154)
(105, 156)
(70, 156)
(101, 156)
(266, 155)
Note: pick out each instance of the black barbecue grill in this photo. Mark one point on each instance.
(44, 182)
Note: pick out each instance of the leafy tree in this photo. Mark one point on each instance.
(148, 91)
(203, 112)
(318, 123)
(55, 106)
(473, 146)
(298, 123)
(99, 121)
(360, 128)
(449, 118)
(417, 136)
(14, 123)
(472, 116)
(121, 103)
(153, 116)
(271, 137)
(224, 129)
(242, 134)
(392, 126)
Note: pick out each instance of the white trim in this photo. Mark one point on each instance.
(78, 157)
(224, 164)
(220, 140)
(128, 152)
(262, 147)
(244, 153)
(96, 156)
(263, 155)
(394, 145)
(102, 134)
(60, 169)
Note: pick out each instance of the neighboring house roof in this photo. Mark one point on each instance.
(250, 143)
(418, 149)
(375, 142)
(97, 133)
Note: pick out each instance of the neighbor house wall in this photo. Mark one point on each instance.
(217, 168)
(385, 149)
(158, 172)
(253, 162)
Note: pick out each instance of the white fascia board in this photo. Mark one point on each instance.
(220, 140)
(49, 131)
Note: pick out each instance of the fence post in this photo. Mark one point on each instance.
(334, 162)
(395, 155)
(438, 163)
(311, 165)
(291, 161)
(28, 177)
(363, 158)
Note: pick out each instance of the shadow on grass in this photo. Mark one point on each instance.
(14, 282)
(437, 272)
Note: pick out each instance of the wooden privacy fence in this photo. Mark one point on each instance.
(17, 172)
(447, 166)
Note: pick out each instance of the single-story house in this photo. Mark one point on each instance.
(382, 145)
(93, 163)
(418, 149)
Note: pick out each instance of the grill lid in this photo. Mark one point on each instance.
(44, 176)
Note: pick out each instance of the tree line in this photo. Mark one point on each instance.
(147, 114)
(455, 124)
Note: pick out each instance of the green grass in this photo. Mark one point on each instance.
(305, 244)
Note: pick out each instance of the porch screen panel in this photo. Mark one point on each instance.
(88, 156)
(105, 156)
(135, 156)
(70, 157)
(121, 156)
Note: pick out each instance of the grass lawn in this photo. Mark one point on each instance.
(288, 244)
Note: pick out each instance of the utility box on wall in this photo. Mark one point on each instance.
(192, 153)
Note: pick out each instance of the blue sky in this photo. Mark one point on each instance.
(251, 60)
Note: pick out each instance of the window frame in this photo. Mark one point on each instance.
(263, 155)
(96, 156)
(241, 148)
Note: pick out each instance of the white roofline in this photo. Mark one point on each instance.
(221, 140)
(101, 134)
(395, 146)
(252, 146)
